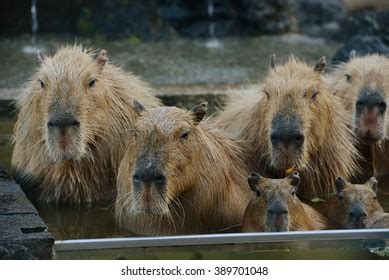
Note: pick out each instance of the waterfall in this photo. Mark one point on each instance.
(212, 42)
(32, 48)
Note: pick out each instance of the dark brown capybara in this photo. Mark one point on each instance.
(181, 176)
(292, 122)
(276, 207)
(70, 134)
(352, 204)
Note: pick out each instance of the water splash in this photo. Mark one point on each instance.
(212, 42)
(33, 49)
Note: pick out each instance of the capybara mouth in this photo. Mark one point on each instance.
(285, 159)
(356, 224)
(147, 201)
(370, 136)
(64, 147)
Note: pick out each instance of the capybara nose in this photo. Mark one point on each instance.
(149, 177)
(63, 123)
(358, 214)
(371, 100)
(293, 138)
(277, 209)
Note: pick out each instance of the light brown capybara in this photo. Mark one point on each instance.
(352, 204)
(71, 129)
(181, 176)
(276, 207)
(378, 220)
(363, 86)
(293, 122)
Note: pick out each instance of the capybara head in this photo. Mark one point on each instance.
(355, 203)
(275, 198)
(163, 158)
(66, 86)
(293, 92)
(363, 84)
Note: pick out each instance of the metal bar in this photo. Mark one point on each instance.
(217, 239)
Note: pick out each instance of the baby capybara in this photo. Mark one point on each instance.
(181, 176)
(292, 122)
(378, 220)
(363, 86)
(276, 207)
(74, 115)
(352, 204)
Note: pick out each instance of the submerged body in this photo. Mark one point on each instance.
(292, 122)
(71, 129)
(276, 207)
(181, 177)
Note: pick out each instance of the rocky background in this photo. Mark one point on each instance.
(144, 20)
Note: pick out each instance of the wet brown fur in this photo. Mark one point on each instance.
(329, 144)
(301, 215)
(106, 114)
(206, 177)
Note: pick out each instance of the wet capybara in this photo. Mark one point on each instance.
(292, 122)
(363, 86)
(181, 176)
(276, 207)
(378, 220)
(74, 114)
(352, 204)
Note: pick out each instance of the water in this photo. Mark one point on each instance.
(213, 42)
(180, 68)
(33, 48)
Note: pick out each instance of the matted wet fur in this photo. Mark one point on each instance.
(272, 195)
(352, 205)
(70, 134)
(297, 89)
(195, 178)
(349, 81)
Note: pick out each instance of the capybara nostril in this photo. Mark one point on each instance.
(63, 123)
(299, 140)
(149, 177)
(382, 106)
(275, 139)
(358, 214)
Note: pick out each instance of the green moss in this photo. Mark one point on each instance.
(134, 40)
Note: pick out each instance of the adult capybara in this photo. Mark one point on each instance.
(363, 86)
(70, 132)
(293, 122)
(276, 207)
(352, 204)
(180, 176)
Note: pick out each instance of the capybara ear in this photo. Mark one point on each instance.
(41, 56)
(199, 112)
(253, 181)
(320, 65)
(101, 58)
(273, 61)
(138, 107)
(340, 183)
(294, 178)
(374, 184)
(353, 54)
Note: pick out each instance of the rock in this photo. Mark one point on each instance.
(320, 18)
(362, 44)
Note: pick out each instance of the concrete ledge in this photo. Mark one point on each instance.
(23, 234)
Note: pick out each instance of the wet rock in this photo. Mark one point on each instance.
(362, 44)
(320, 18)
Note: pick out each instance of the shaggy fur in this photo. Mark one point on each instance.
(378, 220)
(347, 81)
(87, 171)
(297, 88)
(300, 215)
(205, 187)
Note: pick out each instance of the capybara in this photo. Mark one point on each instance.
(363, 86)
(352, 204)
(70, 133)
(378, 220)
(276, 206)
(181, 176)
(292, 122)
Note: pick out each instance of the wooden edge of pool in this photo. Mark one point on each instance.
(219, 239)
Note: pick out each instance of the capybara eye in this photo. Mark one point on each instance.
(185, 135)
(294, 192)
(375, 197)
(314, 95)
(267, 94)
(42, 83)
(382, 105)
(348, 77)
(92, 83)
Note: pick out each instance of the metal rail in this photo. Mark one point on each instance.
(218, 239)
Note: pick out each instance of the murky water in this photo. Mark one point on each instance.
(182, 64)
